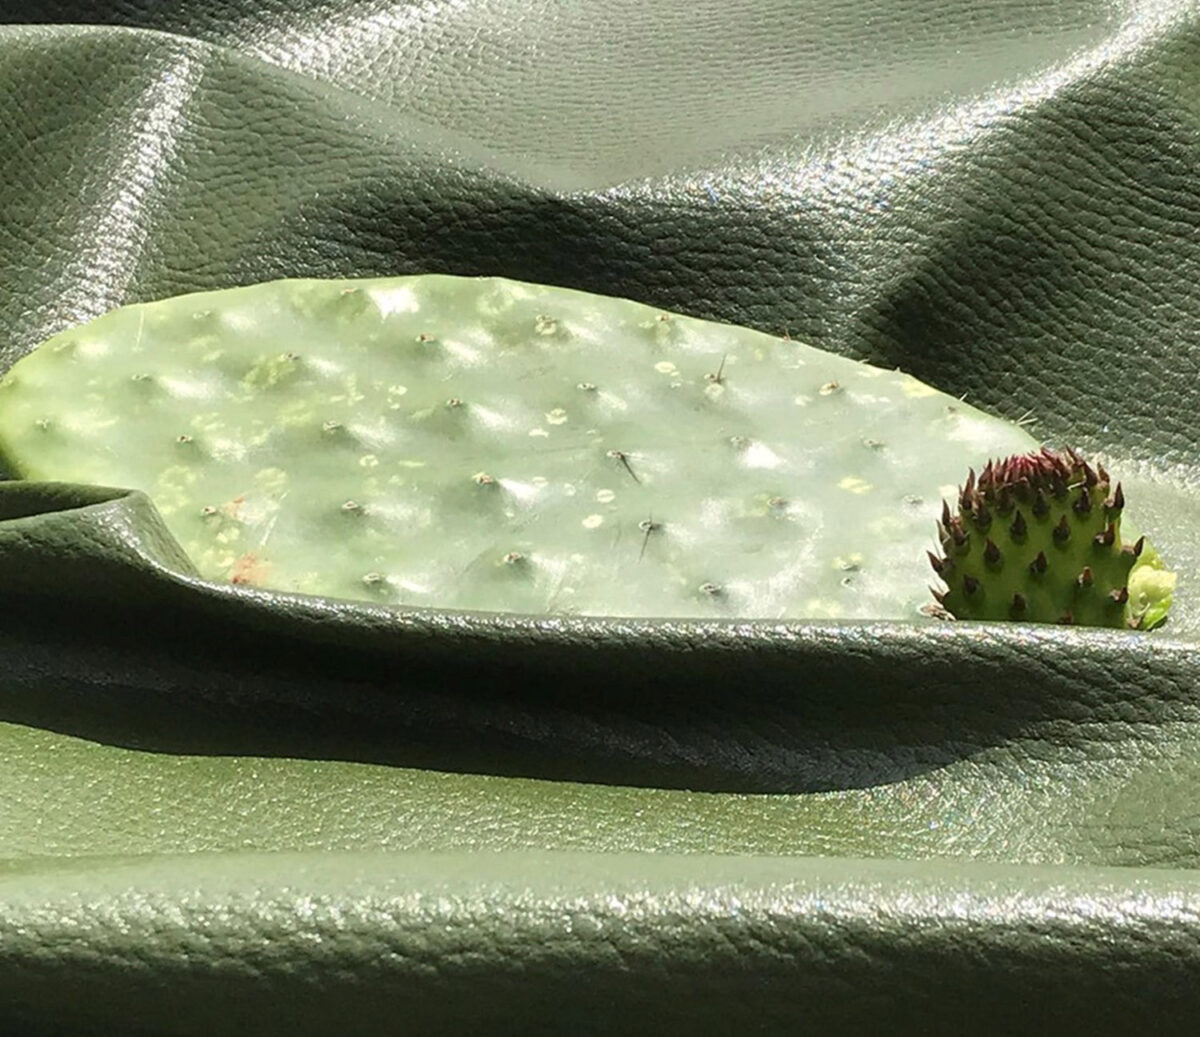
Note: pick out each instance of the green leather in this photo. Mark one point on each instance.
(227, 810)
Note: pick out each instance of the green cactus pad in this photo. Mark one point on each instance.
(1037, 538)
(451, 442)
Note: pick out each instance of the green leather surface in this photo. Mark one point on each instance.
(232, 811)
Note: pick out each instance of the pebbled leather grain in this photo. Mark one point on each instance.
(239, 811)
(597, 944)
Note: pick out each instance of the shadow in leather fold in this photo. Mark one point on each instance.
(119, 641)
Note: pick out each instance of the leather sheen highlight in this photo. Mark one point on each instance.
(235, 811)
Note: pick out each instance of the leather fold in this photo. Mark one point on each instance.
(223, 809)
(596, 944)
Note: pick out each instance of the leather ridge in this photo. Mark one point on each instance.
(240, 812)
(498, 943)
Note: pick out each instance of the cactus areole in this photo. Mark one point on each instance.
(484, 444)
(1037, 538)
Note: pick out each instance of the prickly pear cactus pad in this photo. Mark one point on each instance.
(1037, 537)
(485, 444)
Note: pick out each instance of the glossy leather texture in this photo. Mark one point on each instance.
(227, 810)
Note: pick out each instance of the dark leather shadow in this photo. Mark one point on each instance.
(831, 708)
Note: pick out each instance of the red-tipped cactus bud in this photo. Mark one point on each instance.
(1064, 564)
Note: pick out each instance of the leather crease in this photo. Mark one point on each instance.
(232, 811)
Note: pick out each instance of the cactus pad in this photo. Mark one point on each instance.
(1037, 538)
(453, 442)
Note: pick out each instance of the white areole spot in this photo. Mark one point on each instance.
(853, 484)
(759, 455)
(916, 389)
(592, 521)
(981, 434)
(377, 436)
(413, 587)
(368, 461)
(412, 516)
(227, 449)
(395, 299)
(209, 422)
(93, 347)
(490, 418)
(189, 388)
(800, 401)
(240, 320)
(538, 432)
(666, 367)
(557, 416)
(467, 355)
(523, 491)
(327, 367)
(889, 526)
(91, 422)
(271, 480)
(605, 496)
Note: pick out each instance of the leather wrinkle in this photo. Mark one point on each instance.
(241, 811)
